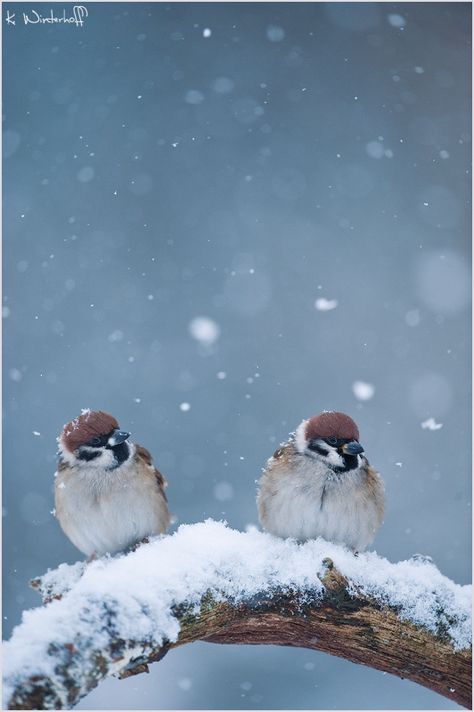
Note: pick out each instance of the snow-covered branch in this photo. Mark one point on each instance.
(209, 582)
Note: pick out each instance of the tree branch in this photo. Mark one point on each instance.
(231, 597)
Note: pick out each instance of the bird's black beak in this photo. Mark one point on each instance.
(352, 448)
(118, 437)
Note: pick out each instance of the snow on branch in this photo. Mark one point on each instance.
(210, 582)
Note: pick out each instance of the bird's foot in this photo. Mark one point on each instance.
(134, 547)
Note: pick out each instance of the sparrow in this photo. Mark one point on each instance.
(108, 494)
(320, 483)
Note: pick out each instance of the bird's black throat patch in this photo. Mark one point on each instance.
(350, 463)
(121, 453)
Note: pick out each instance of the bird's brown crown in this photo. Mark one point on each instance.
(331, 424)
(90, 424)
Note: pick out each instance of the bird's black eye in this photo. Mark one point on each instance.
(331, 441)
(95, 441)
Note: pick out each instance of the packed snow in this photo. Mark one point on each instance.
(141, 589)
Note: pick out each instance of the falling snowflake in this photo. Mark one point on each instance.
(363, 391)
(431, 424)
(396, 20)
(223, 491)
(323, 304)
(204, 330)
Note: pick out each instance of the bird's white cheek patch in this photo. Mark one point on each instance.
(300, 437)
(105, 460)
(334, 458)
(67, 456)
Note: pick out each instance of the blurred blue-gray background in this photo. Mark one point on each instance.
(220, 219)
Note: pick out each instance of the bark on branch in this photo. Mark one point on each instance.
(334, 618)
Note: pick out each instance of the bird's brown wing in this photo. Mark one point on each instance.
(282, 456)
(144, 456)
(376, 488)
